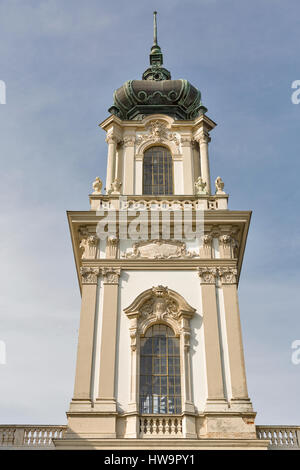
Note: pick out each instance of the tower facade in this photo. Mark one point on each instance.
(160, 360)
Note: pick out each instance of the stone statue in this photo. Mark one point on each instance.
(200, 186)
(97, 185)
(219, 185)
(115, 187)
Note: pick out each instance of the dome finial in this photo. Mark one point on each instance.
(156, 71)
(154, 29)
(156, 57)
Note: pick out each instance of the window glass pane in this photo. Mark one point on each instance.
(177, 366)
(171, 369)
(162, 346)
(158, 171)
(156, 364)
(163, 365)
(171, 405)
(155, 343)
(146, 344)
(146, 363)
(170, 346)
(160, 390)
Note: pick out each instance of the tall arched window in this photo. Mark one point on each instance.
(160, 390)
(158, 171)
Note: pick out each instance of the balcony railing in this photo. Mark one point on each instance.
(281, 437)
(30, 436)
(160, 426)
(174, 202)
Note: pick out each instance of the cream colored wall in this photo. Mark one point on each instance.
(102, 247)
(215, 246)
(132, 283)
(178, 177)
(138, 177)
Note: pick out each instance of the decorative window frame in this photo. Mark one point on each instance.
(160, 305)
(142, 148)
(158, 132)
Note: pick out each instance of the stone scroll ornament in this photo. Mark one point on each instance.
(159, 249)
(88, 246)
(157, 132)
(89, 275)
(228, 275)
(159, 304)
(111, 275)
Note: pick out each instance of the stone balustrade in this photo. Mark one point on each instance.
(30, 436)
(281, 437)
(164, 426)
(151, 426)
(215, 202)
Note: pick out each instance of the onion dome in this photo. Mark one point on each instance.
(157, 93)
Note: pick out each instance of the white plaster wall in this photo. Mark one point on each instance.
(187, 284)
(124, 245)
(224, 343)
(97, 340)
(215, 247)
(102, 248)
(193, 245)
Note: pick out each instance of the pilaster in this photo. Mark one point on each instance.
(188, 174)
(203, 139)
(240, 400)
(112, 141)
(128, 168)
(106, 400)
(215, 388)
(83, 377)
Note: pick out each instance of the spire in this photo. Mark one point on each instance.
(156, 71)
(156, 57)
(154, 29)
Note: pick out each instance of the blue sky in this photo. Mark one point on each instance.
(61, 61)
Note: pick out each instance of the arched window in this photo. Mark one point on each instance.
(158, 171)
(160, 390)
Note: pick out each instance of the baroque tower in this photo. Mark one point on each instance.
(160, 360)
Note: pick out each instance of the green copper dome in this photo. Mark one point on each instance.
(157, 93)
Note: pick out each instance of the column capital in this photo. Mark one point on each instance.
(186, 141)
(112, 244)
(206, 246)
(88, 245)
(129, 141)
(89, 275)
(112, 139)
(228, 275)
(207, 275)
(203, 137)
(111, 275)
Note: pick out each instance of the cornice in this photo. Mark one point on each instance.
(170, 264)
(202, 121)
(212, 219)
